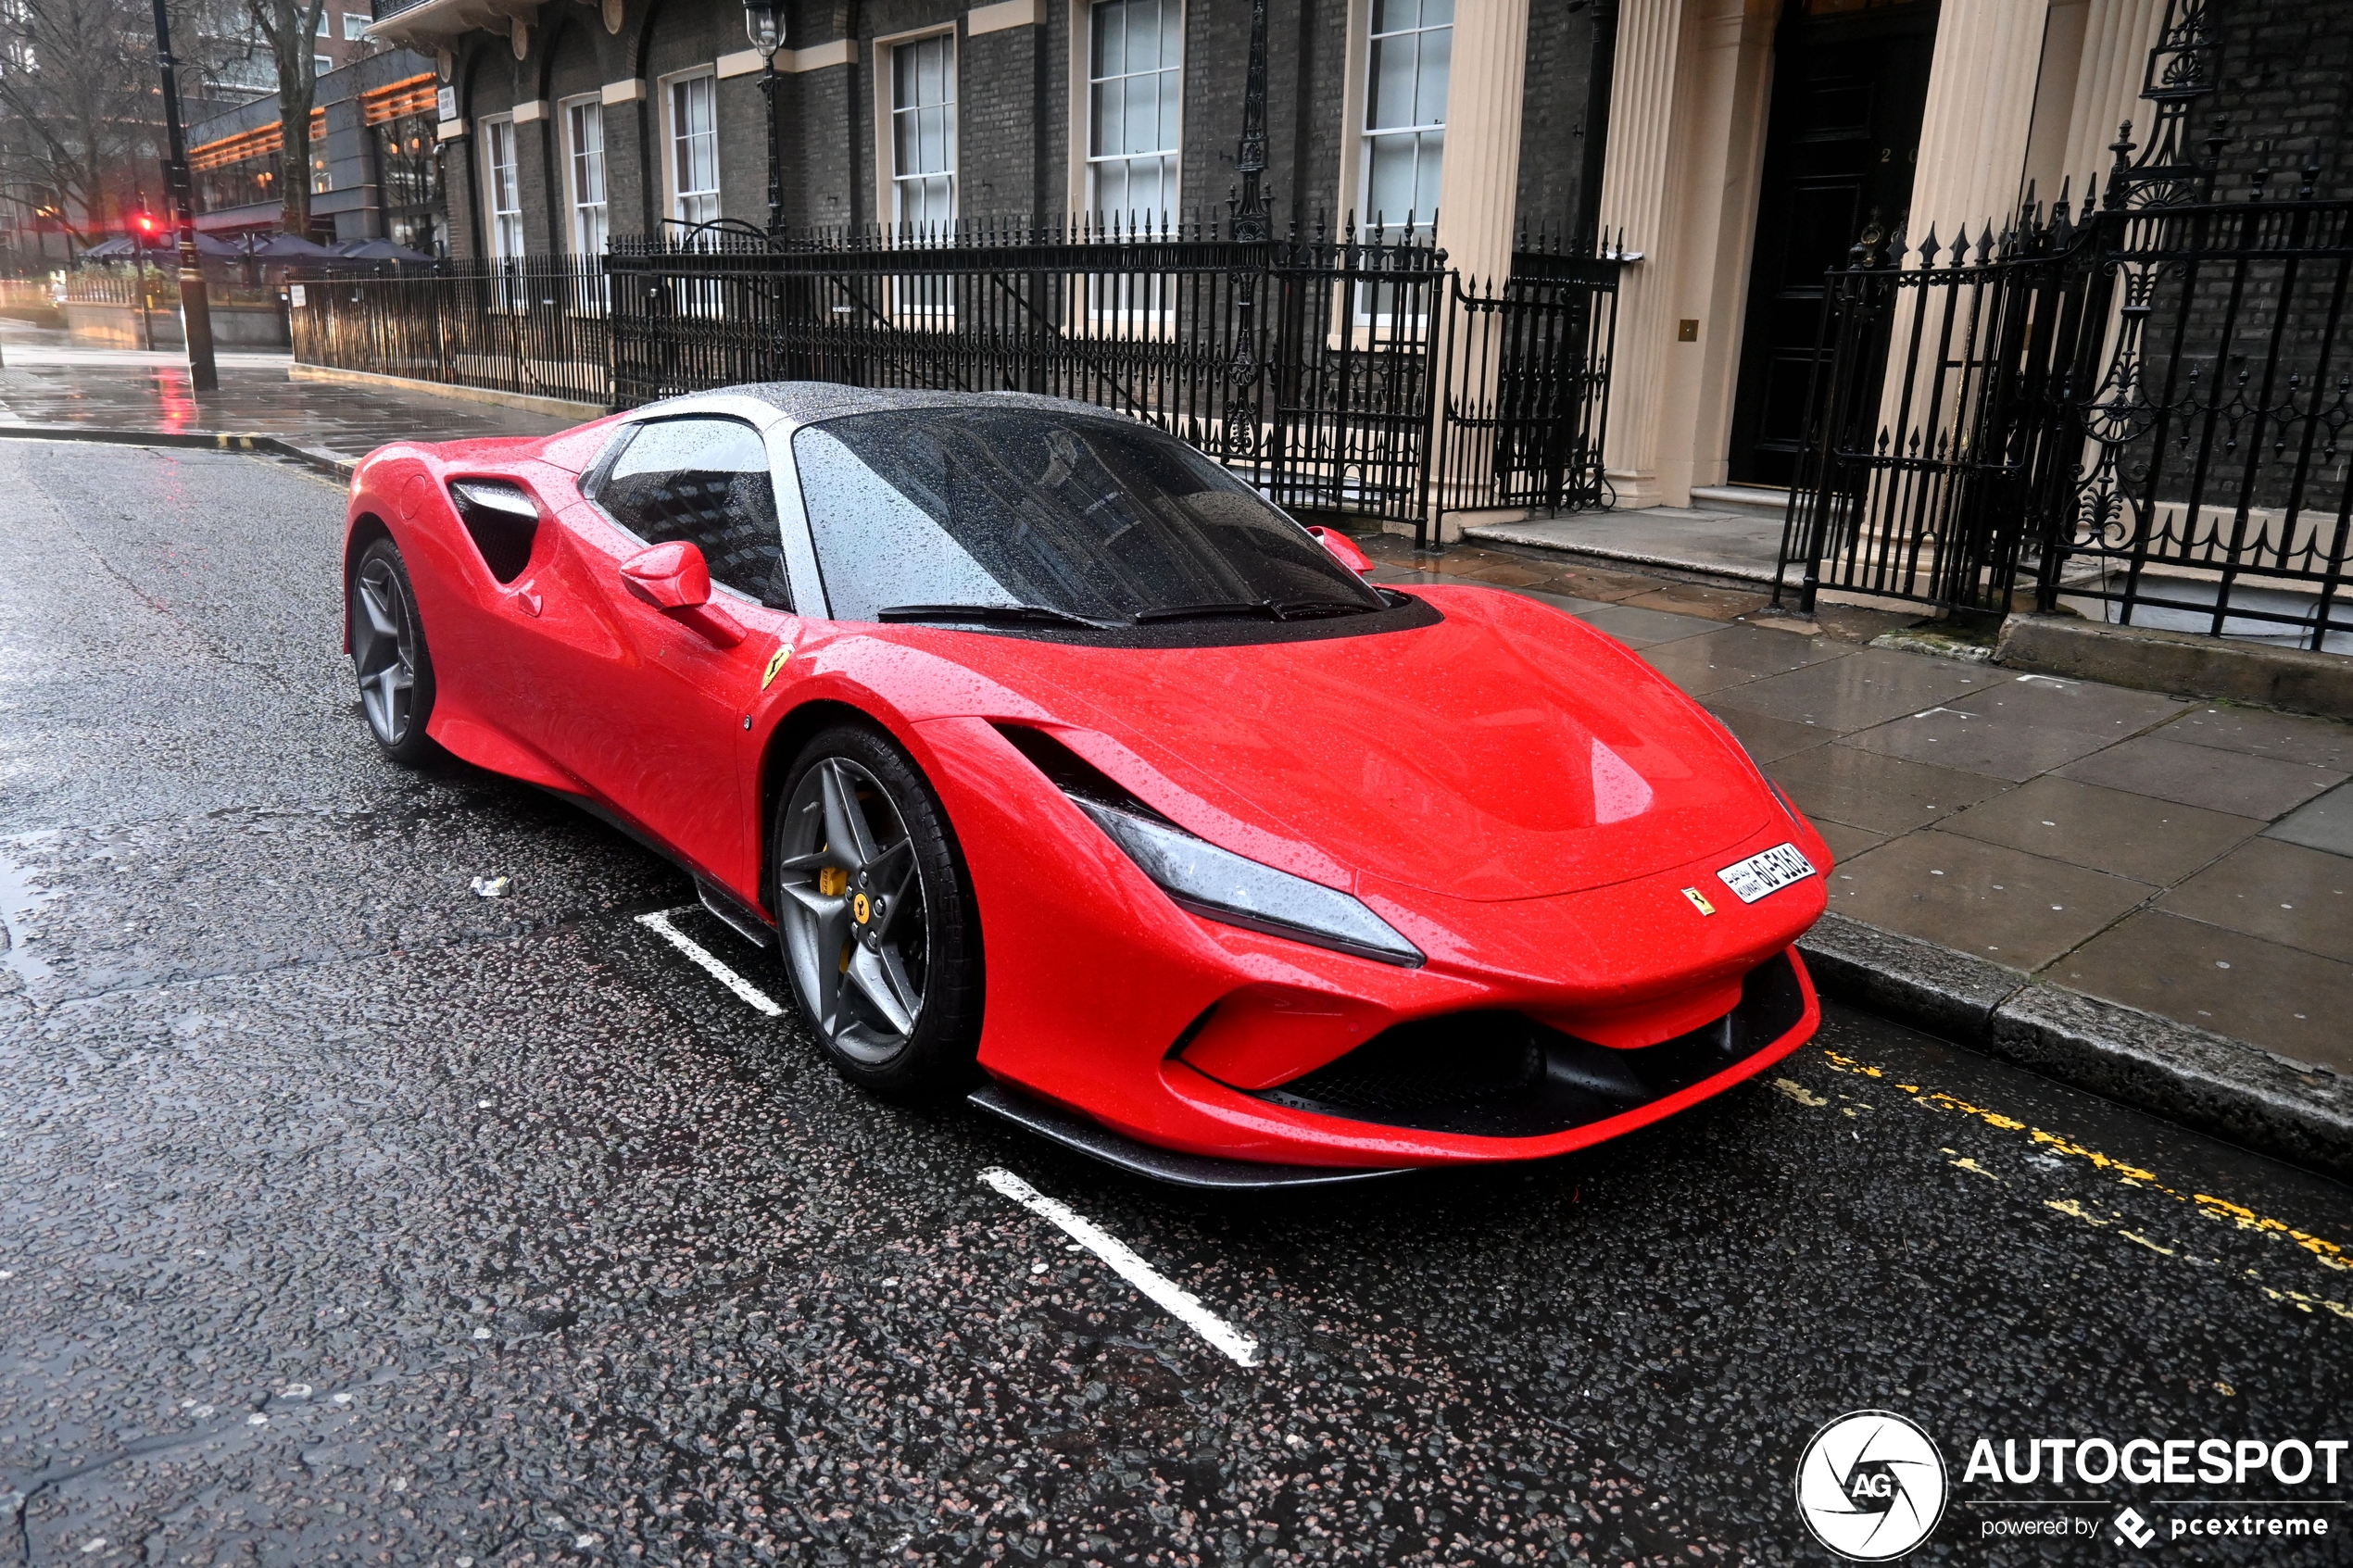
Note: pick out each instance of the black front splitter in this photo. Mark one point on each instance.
(1195, 1170)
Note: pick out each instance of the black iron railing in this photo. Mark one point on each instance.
(2140, 412)
(2210, 494)
(1527, 389)
(1353, 372)
(1305, 364)
(534, 327)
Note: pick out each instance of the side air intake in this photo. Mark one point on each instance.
(501, 521)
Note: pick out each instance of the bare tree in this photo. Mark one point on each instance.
(292, 28)
(80, 111)
(77, 91)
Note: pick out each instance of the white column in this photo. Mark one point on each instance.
(1981, 107)
(1480, 192)
(2055, 81)
(2108, 87)
(1686, 140)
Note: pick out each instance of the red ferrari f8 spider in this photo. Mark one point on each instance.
(1055, 760)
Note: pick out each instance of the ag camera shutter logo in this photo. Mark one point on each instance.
(1871, 1485)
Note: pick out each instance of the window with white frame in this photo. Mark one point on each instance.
(694, 149)
(584, 130)
(922, 131)
(355, 25)
(322, 64)
(1412, 47)
(502, 191)
(1134, 70)
(584, 173)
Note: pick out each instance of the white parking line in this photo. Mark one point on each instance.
(1171, 1297)
(751, 995)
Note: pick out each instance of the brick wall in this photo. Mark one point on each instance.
(1552, 129)
(1001, 124)
(2286, 79)
(1014, 111)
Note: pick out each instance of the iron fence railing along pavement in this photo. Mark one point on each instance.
(1351, 370)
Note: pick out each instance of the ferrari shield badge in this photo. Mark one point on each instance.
(775, 663)
(1699, 901)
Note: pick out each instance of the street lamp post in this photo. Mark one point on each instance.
(196, 307)
(762, 26)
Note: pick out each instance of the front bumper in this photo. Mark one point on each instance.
(1107, 1002)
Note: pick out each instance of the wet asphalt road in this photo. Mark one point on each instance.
(346, 1216)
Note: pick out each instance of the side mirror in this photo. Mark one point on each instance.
(669, 577)
(675, 579)
(1343, 549)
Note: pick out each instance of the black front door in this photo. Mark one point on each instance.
(1850, 80)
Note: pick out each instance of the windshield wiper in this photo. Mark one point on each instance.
(1032, 614)
(1275, 609)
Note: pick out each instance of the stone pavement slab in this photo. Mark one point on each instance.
(1886, 795)
(1725, 543)
(1733, 655)
(2292, 737)
(1864, 687)
(2205, 775)
(2017, 909)
(2115, 831)
(49, 384)
(2325, 823)
(2284, 893)
(1769, 739)
(2278, 997)
(2014, 730)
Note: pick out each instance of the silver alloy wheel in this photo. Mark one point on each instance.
(852, 911)
(383, 649)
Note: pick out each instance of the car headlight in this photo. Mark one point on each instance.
(1221, 886)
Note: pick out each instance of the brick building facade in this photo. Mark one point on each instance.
(1025, 112)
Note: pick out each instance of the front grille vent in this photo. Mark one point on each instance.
(1503, 1075)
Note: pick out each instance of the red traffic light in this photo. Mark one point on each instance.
(147, 225)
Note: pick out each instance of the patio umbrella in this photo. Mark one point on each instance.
(380, 249)
(123, 247)
(285, 248)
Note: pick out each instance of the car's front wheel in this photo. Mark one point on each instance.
(874, 906)
(388, 654)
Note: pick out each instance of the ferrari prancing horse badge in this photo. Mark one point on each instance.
(775, 663)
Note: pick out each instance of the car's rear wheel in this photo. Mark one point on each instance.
(874, 907)
(389, 656)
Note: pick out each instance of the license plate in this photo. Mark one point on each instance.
(1766, 873)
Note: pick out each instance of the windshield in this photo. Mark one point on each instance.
(1059, 514)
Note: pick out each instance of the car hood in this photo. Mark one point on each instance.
(1510, 751)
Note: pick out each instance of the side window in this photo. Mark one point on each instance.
(705, 481)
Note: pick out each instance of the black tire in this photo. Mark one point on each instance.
(857, 951)
(387, 649)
